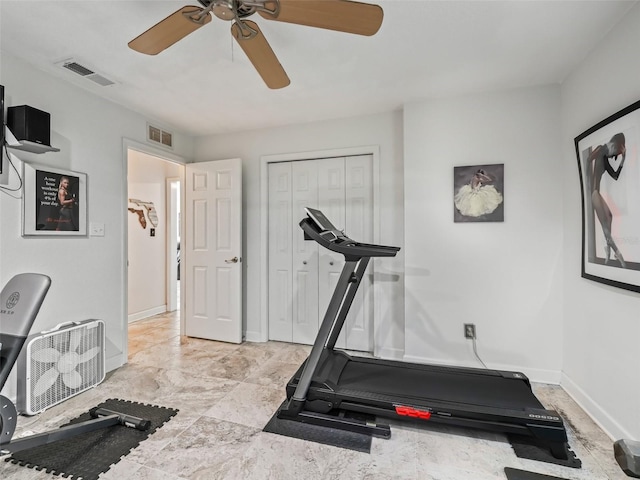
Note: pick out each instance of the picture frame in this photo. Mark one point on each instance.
(478, 193)
(608, 157)
(52, 209)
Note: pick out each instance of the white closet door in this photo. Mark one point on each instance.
(331, 200)
(302, 275)
(346, 197)
(280, 252)
(305, 254)
(359, 226)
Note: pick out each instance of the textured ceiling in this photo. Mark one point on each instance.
(205, 84)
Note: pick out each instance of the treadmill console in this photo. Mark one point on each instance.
(325, 228)
(320, 220)
(318, 227)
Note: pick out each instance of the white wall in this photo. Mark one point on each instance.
(148, 255)
(601, 323)
(88, 274)
(519, 281)
(504, 277)
(384, 130)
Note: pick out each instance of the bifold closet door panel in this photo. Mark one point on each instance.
(358, 327)
(305, 254)
(280, 252)
(302, 275)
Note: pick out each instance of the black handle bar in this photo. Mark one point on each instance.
(337, 241)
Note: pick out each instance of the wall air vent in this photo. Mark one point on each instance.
(86, 72)
(158, 135)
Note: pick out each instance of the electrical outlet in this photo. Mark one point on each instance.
(96, 229)
(470, 330)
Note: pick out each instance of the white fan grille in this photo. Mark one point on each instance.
(79, 339)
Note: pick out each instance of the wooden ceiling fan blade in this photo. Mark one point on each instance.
(339, 15)
(168, 31)
(256, 47)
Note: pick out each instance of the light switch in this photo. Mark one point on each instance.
(96, 229)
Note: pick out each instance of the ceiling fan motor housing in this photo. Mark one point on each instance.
(224, 9)
(231, 9)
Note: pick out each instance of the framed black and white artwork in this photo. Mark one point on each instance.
(607, 155)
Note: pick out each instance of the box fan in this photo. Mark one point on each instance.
(60, 363)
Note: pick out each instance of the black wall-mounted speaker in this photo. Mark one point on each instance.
(28, 123)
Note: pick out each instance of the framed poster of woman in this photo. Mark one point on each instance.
(54, 202)
(609, 172)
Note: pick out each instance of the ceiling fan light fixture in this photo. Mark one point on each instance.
(224, 9)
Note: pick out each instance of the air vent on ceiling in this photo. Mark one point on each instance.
(158, 135)
(87, 73)
(77, 68)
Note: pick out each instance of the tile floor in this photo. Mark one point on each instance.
(227, 393)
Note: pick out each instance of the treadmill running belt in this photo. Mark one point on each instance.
(467, 388)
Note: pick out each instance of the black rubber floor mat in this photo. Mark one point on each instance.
(314, 433)
(515, 474)
(529, 448)
(88, 455)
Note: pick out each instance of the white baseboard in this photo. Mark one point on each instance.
(114, 362)
(537, 375)
(134, 317)
(599, 415)
(254, 337)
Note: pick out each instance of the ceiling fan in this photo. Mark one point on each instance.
(340, 15)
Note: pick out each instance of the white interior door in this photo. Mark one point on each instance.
(358, 331)
(213, 250)
(305, 254)
(346, 197)
(280, 252)
(331, 200)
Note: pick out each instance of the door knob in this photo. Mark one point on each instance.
(232, 260)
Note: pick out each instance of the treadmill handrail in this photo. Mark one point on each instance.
(340, 243)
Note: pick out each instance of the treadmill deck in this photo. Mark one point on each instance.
(440, 385)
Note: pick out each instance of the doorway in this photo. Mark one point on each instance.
(173, 243)
(153, 230)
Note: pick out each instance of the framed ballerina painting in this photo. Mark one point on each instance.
(478, 193)
(607, 155)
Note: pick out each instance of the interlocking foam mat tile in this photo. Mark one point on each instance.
(88, 455)
(527, 447)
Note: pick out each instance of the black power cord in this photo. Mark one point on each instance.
(7, 190)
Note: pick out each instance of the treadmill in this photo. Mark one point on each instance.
(331, 385)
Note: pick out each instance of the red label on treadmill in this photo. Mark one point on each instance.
(413, 412)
